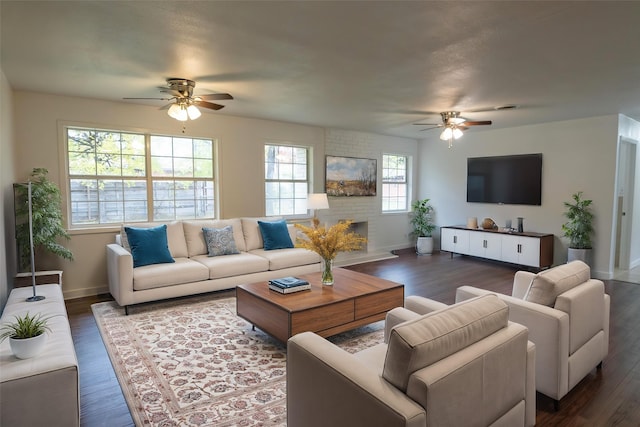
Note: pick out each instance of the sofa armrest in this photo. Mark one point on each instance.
(120, 274)
(548, 330)
(521, 282)
(327, 386)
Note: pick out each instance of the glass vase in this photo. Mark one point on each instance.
(327, 272)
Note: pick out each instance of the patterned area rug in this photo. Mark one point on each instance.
(193, 362)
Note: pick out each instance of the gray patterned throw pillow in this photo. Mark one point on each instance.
(220, 241)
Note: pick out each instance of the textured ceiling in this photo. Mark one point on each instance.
(371, 66)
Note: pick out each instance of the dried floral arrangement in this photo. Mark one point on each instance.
(327, 242)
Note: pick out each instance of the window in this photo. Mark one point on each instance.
(394, 183)
(286, 180)
(117, 177)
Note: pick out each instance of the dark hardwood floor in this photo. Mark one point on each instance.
(609, 397)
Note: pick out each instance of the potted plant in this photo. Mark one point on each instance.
(578, 228)
(47, 223)
(26, 335)
(423, 226)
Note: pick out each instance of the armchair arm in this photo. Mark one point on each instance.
(120, 274)
(422, 305)
(548, 330)
(395, 317)
(521, 282)
(329, 386)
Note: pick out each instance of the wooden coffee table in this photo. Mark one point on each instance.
(354, 300)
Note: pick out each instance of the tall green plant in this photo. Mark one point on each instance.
(579, 227)
(422, 218)
(46, 203)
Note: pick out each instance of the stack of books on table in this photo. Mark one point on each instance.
(287, 285)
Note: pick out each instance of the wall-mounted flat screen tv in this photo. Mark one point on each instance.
(512, 180)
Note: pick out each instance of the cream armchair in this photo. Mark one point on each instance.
(461, 365)
(567, 314)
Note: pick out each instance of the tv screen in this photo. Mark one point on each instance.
(512, 180)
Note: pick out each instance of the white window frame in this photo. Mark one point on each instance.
(387, 184)
(296, 208)
(208, 183)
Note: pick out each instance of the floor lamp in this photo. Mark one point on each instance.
(34, 297)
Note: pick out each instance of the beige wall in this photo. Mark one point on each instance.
(7, 241)
(39, 119)
(578, 155)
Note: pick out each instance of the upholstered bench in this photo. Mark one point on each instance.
(42, 390)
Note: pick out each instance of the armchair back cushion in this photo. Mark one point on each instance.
(421, 342)
(547, 285)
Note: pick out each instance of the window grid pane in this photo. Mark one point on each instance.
(394, 183)
(286, 185)
(108, 177)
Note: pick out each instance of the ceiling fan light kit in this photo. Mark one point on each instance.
(184, 104)
(453, 125)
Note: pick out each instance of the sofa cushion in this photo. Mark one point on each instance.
(251, 231)
(275, 235)
(232, 265)
(183, 270)
(286, 258)
(548, 284)
(220, 241)
(418, 343)
(149, 245)
(194, 236)
(175, 237)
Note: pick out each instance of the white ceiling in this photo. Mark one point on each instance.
(371, 66)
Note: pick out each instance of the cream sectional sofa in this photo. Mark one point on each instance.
(194, 271)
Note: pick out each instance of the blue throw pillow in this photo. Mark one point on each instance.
(149, 245)
(275, 235)
(220, 241)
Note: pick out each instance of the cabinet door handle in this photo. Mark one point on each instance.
(519, 248)
(455, 239)
(484, 244)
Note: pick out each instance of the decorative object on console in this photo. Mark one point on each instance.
(38, 218)
(350, 176)
(316, 202)
(327, 242)
(579, 228)
(423, 226)
(489, 224)
(472, 222)
(520, 224)
(27, 335)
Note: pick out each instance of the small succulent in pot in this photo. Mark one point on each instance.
(24, 327)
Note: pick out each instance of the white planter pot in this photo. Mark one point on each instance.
(583, 255)
(27, 347)
(424, 245)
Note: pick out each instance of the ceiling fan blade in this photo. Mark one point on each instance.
(171, 91)
(476, 123)
(428, 124)
(433, 127)
(210, 105)
(215, 96)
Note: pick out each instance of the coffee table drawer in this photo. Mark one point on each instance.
(380, 302)
(321, 318)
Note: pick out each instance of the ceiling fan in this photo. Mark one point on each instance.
(184, 104)
(453, 125)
